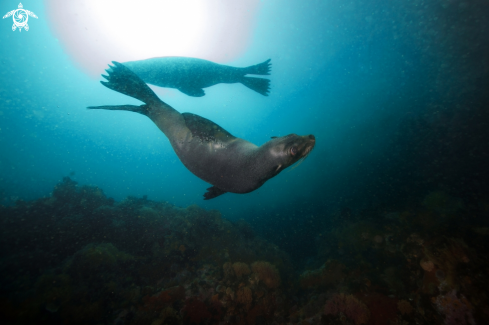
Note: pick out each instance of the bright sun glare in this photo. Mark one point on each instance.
(149, 27)
(95, 32)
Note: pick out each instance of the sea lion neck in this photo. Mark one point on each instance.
(269, 155)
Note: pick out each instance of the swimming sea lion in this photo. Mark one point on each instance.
(230, 164)
(190, 75)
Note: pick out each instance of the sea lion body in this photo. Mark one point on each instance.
(191, 75)
(229, 163)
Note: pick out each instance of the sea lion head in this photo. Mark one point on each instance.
(287, 150)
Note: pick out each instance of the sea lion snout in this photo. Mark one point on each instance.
(308, 143)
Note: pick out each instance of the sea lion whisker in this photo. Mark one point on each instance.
(297, 165)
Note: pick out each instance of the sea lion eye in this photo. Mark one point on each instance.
(293, 151)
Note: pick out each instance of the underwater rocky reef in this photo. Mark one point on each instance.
(78, 257)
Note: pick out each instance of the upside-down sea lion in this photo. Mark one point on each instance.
(190, 75)
(230, 164)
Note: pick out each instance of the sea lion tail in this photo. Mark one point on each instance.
(260, 85)
(123, 80)
(261, 68)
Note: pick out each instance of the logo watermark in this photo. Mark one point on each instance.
(20, 17)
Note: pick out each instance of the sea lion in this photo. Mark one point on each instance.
(190, 75)
(229, 163)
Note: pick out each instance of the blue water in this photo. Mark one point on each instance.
(395, 93)
(334, 75)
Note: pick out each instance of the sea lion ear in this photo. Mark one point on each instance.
(274, 137)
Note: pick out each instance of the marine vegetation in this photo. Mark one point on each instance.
(79, 257)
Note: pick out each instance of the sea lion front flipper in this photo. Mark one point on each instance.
(194, 92)
(213, 192)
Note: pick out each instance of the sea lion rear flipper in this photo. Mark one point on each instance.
(194, 92)
(213, 192)
(261, 68)
(143, 109)
(260, 85)
(123, 80)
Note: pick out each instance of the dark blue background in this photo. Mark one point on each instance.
(382, 86)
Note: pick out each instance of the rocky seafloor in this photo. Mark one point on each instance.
(78, 257)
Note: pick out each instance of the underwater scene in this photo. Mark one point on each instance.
(244, 162)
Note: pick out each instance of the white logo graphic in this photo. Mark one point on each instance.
(20, 16)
